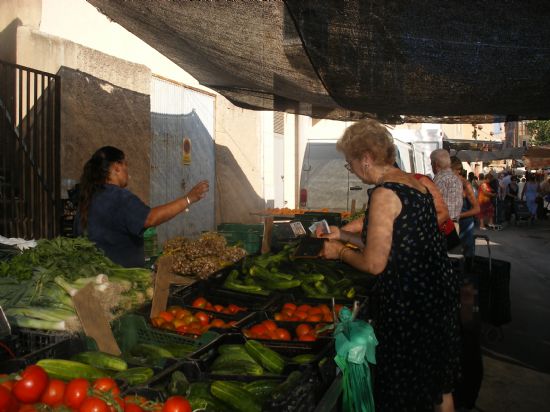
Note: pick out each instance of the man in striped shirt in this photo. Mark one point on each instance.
(447, 182)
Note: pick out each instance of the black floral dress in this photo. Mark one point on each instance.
(417, 323)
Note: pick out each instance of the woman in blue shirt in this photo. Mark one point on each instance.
(112, 216)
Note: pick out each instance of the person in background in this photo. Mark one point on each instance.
(530, 193)
(470, 209)
(113, 217)
(484, 198)
(521, 185)
(417, 358)
(448, 183)
(512, 192)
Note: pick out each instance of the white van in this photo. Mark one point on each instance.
(326, 183)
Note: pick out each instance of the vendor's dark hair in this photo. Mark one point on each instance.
(94, 176)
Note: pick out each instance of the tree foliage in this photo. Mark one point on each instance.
(539, 131)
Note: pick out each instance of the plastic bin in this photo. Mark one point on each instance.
(259, 317)
(239, 318)
(248, 236)
(204, 357)
(30, 340)
(224, 297)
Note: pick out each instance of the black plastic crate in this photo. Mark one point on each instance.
(237, 318)
(203, 358)
(62, 349)
(302, 397)
(30, 340)
(223, 297)
(259, 317)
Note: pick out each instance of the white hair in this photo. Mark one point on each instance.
(441, 158)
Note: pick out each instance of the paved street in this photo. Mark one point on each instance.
(517, 368)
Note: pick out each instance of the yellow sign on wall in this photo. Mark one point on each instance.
(186, 160)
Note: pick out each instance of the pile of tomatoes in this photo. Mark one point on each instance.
(231, 309)
(32, 390)
(269, 330)
(184, 321)
(306, 313)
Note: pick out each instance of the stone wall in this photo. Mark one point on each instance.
(104, 101)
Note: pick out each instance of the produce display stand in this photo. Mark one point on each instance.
(319, 388)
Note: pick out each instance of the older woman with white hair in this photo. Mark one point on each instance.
(417, 323)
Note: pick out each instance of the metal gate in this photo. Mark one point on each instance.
(179, 113)
(30, 201)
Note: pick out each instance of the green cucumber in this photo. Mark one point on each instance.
(232, 357)
(237, 367)
(235, 396)
(136, 376)
(291, 382)
(178, 350)
(67, 369)
(266, 357)
(310, 277)
(101, 360)
(151, 351)
(261, 388)
(303, 359)
(231, 348)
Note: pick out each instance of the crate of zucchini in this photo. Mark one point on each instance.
(280, 272)
(233, 373)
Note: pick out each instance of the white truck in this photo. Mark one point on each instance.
(326, 183)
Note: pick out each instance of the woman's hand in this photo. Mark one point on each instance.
(334, 232)
(332, 249)
(198, 191)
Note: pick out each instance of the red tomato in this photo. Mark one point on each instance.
(233, 308)
(203, 318)
(75, 392)
(53, 395)
(303, 329)
(33, 383)
(308, 338)
(135, 399)
(132, 407)
(176, 404)
(269, 325)
(93, 404)
(290, 306)
(29, 407)
(218, 308)
(199, 303)
(282, 334)
(107, 385)
(8, 403)
(258, 329)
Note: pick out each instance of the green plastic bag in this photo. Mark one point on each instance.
(355, 348)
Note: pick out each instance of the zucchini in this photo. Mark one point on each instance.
(151, 351)
(101, 360)
(237, 367)
(136, 376)
(235, 396)
(231, 348)
(178, 385)
(303, 359)
(67, 369)
(178, 350)
(291, 382)
(266, 357)
(261, 388)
